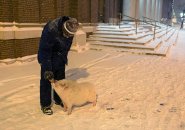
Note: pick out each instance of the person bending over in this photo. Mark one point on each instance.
(55, 43)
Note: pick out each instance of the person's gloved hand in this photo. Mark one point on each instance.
(48, 75)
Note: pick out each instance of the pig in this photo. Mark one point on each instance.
(73, 93)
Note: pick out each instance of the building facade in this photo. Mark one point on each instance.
(21, 21)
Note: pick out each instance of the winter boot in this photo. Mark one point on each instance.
(47, 110)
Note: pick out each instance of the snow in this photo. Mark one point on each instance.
(135, 92)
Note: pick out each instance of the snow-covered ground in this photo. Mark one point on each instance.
(135, 92)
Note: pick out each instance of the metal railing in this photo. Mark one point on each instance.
(166, 23)
(151, 22)
(145, 20)
(131, 19)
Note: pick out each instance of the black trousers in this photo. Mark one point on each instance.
(46, 89)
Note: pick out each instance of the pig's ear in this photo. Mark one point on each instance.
(66, 87)
(64, 84)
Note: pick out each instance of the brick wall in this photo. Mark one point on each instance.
(26, 47)
(40, 11)
(48, 10)
(18, 47)
(65, 7)
(7, 49)
(35, 11)
(26, 11)
(88, 11)
(94, 11)
(73, 8)
(6, 11)
(84, 11)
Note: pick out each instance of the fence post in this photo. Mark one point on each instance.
(166, 28)
(142, 20)
(154, 31)
(136, 25)
(119, 19)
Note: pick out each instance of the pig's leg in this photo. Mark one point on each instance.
(69, 109)
(94, 100)
(94, 103)
(65, 107)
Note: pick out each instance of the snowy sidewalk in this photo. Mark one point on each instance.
(135, 92)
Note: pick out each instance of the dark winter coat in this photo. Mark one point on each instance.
(54, 47)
